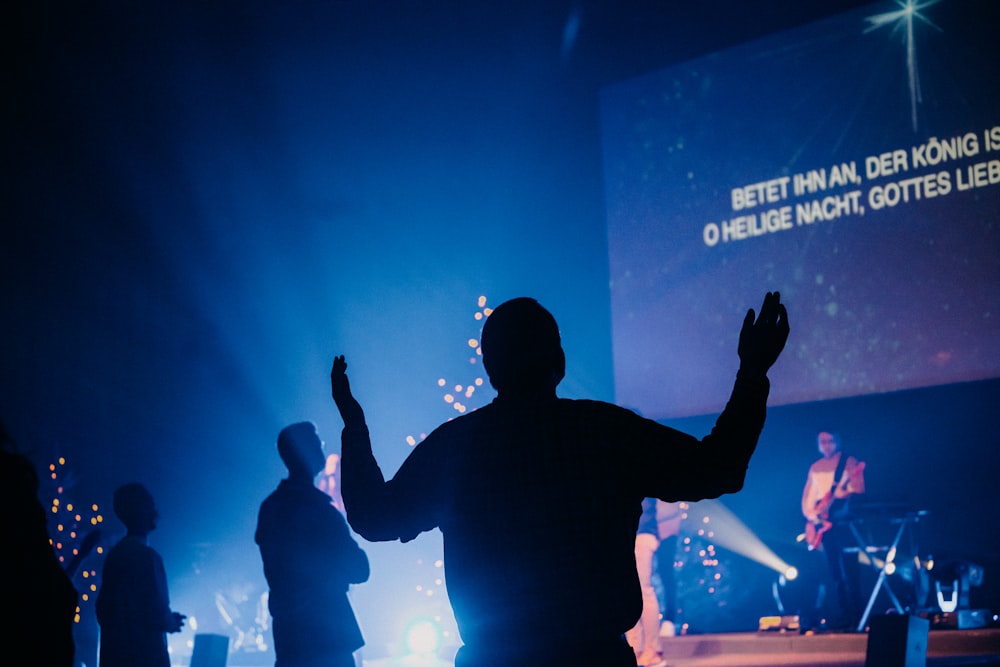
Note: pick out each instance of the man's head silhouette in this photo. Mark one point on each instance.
(522, 351)
(134, 506)
(301, 449)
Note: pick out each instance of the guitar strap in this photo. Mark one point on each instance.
(839, 472)
(839, 506)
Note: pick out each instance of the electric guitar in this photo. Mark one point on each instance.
(815, 530)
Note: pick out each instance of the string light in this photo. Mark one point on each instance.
(701, 577)
(72, 525)
(467, 390)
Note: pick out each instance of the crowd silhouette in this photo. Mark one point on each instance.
(495, 481)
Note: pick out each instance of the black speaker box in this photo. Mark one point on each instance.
(897, 640)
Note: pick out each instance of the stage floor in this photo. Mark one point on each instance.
(945, 648)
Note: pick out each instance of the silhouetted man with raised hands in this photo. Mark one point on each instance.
(532, 583)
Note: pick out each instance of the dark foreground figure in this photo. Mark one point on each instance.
(37, 598)
(538, 497)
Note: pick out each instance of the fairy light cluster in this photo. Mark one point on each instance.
(460, 396)
(69, 525)
(434, 584)
(700, 574)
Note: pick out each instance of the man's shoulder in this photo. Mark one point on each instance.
(575, 410)
(290, 509)
(273, 498)
(827, 465)
(293, 495)
(572, 405)
(469, 420)
(276, 506)
(132, 550)
(824, 464)
(581, 408)
(590, 404)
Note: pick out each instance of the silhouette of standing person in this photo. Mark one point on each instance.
(310, 559)
(497, 481)
(37, 598)
(669, 517)
(133, 605)
(644, 638)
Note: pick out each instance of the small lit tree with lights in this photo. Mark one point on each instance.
(75, 535)
(702, 577)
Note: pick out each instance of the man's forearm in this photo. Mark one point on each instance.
(742, 420)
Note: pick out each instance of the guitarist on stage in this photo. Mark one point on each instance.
(832, 481)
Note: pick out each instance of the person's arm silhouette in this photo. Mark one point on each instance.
(361, 477)
(717, 464)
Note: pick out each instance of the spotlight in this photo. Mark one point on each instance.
(422, 637)
(952, 581)
(791, 574)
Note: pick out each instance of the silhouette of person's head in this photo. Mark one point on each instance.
(522, 351)
(301, 449)
(135, 507)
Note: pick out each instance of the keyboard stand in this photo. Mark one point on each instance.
(889, 555)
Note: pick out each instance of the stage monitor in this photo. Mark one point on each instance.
(852, 164)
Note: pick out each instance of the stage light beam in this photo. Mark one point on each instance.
(730, 532)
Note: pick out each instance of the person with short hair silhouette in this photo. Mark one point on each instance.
(310, 559)
(498, 482)
(133, 605)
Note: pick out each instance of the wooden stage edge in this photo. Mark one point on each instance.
(945, 648)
